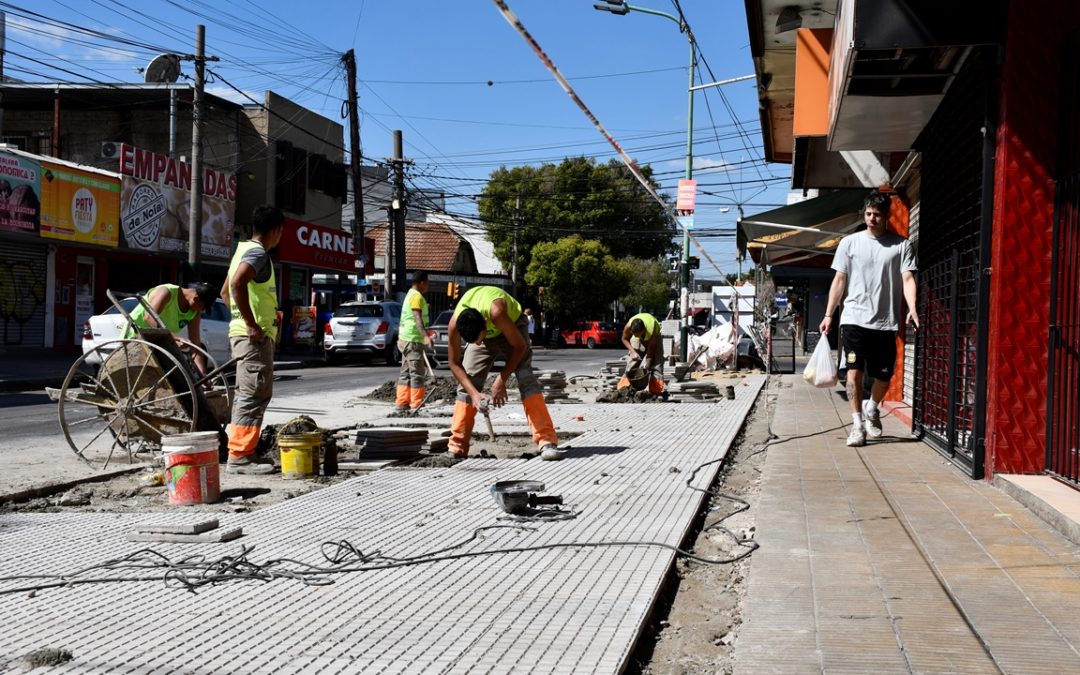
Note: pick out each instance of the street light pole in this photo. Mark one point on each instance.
(622, 8)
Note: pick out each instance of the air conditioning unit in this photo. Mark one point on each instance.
(110, 150)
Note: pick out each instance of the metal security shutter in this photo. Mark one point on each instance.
(1063, 402)
(22, 294)
(949, 397)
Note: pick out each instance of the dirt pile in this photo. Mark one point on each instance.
(628, 395)
(442, 389)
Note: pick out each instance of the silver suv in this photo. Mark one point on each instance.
(363, 328)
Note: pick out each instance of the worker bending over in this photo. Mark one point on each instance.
(413, 339)
(647, 354)
(492, 324)
(177, 307)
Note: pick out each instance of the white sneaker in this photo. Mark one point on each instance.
(857, 436)
(872, 422)
(551, 453)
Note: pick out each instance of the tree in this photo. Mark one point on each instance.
(649, 285)
(578, 196)
(580, 276)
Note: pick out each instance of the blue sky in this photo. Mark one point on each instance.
(424, 68)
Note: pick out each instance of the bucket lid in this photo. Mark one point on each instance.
(188, 439)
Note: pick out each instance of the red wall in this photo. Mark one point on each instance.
(1017, 360)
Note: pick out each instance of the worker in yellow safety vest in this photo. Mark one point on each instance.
(251, 293)
(642, 340)
(490, 321)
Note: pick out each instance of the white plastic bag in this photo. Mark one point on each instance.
(821, 369)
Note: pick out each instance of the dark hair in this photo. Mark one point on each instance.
(207, 293)
(266, 218)
(637, 326)
(878, 200)
(419, 277)
(470, 323)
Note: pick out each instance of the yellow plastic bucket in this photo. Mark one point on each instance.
(300, 454)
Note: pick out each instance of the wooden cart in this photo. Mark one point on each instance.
(146, 387)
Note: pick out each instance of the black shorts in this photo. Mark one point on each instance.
(871, 351)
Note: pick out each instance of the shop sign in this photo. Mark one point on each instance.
(20, 193)
(317, 246)
(155, 191)
(303, 322)
(79, 206)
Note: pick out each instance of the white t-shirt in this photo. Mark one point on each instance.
(874, 267)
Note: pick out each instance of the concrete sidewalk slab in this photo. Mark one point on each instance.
(887, 559)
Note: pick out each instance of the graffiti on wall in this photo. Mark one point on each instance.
(22, 294)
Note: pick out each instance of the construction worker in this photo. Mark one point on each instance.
(177, 307)
(648, 353)
(491, 323)
(413, 339)
(251, 293)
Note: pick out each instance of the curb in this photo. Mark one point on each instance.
(39, 383)
(50, 489)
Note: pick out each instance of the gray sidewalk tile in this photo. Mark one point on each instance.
(897, 552)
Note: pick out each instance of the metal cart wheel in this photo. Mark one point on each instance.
(140, 393)
(221, 388)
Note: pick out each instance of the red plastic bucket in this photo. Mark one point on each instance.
(191, 468)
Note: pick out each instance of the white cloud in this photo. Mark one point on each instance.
(702, 163)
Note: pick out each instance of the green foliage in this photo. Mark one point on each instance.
(649, 286)
(580, 276)
(599, 201)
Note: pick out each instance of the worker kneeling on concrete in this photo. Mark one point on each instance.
(492, 324)
(648, 352)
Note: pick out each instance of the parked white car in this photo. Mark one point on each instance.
(363, 328)
(109, 325)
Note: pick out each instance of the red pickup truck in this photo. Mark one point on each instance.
(592, 334)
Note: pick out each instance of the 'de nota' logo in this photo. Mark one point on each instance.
(142, 217)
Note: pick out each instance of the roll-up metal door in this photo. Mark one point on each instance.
(23, 271)
(954, 246)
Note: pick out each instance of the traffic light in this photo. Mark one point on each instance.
(694, 262)
(457, 291)
(451, 289)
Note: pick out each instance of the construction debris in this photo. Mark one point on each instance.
(389, 443)
(554, 386)
(695, 389)
(203, 532)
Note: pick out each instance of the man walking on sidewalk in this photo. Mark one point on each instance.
(492, 324)
(251, 293)
(876, 268)
(413, 339)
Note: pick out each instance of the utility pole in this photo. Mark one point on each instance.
(3, 48)
(195, 205)
(401, 283)
(388, 259)
(354, 167)
(517, 224)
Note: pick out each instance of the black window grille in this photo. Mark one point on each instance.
(950, 356)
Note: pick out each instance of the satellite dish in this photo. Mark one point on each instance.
(163, 68)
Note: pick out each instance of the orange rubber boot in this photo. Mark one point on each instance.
(656, 386)
(416, 396)
(402, 400)
(543, 431)
(623, 383)
(243, 440)
(461, 427)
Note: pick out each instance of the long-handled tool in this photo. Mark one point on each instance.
(487, 418)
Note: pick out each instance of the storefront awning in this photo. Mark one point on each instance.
(805, 233)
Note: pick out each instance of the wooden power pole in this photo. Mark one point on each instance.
(354, 168)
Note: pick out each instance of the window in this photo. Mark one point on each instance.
(361, 311)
